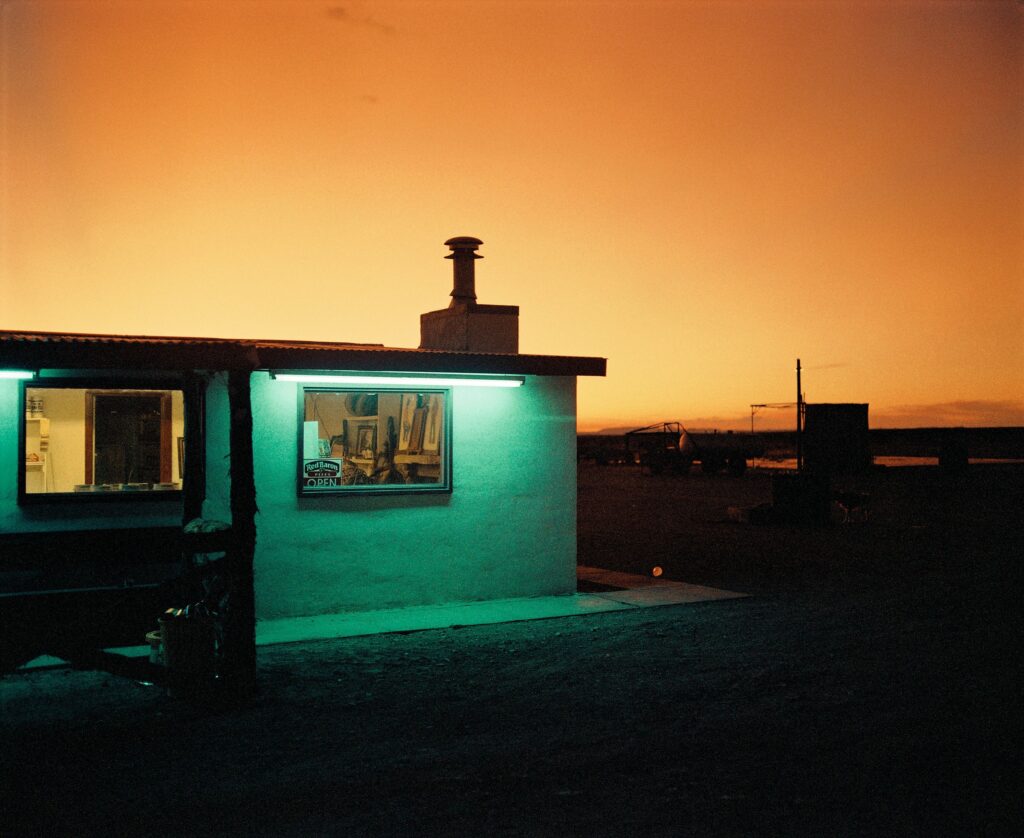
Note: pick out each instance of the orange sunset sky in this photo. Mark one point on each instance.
(700, 192)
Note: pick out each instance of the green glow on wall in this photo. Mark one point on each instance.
(507, 529)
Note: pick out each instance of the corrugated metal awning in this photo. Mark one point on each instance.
(71, 351)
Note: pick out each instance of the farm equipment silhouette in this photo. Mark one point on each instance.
(668, 446)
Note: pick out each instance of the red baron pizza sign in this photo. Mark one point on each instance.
(321, 473)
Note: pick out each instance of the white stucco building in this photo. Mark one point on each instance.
(384, 477)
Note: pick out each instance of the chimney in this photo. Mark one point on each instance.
(463, 256)
(466, 325)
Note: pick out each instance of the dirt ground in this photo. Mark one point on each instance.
(869, 686)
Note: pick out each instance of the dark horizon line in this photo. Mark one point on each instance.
(617, 430)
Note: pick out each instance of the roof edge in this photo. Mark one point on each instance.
(65, 350)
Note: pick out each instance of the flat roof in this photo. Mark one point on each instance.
(78, 351)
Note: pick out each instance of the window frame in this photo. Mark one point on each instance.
(87, 384)
(444, 486)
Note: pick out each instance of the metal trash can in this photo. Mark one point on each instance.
(188, 646)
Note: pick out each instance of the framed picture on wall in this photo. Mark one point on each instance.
(181, 457)
(419, 426)
(366, 441)
(409, 402)
(434, 423)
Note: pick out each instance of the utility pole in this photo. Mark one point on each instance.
(799, 421)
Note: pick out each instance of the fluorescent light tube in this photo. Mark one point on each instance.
(400, 380)
(21, 375)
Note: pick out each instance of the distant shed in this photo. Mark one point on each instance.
(836, 438)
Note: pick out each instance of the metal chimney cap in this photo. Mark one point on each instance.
(463, 243)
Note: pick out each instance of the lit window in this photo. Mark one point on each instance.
(374, 441)
(101, 441)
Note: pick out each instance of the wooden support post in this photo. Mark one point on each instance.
(239, 651)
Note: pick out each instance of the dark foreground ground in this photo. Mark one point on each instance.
(869, 687)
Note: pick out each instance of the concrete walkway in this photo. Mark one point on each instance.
(629, 592)
(632, 592)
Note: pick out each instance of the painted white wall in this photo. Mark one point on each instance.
(508, 529)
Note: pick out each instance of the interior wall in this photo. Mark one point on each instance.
(508, 528)
(177, 432)
(65, 458)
